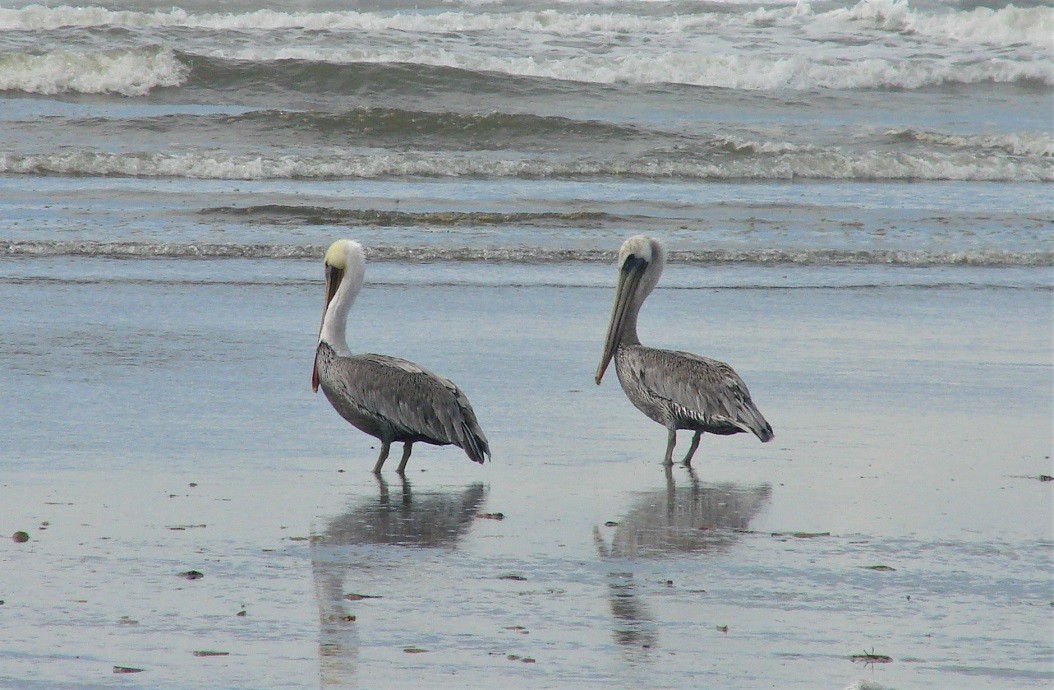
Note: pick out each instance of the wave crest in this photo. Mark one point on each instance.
(820, 164)
(623, 47)
(1008, 25)
(768, 257)
(125, 72)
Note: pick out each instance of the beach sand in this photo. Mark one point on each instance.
(160, 421)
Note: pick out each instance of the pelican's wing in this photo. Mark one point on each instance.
(413, 400)
(703, 389)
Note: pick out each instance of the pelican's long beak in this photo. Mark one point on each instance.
(629, 277)
(333, 278)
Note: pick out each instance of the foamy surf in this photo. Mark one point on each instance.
(1004, 26)
(528, 255)
(816, 165)
(132, 72)
(906, 48)
(726, 70)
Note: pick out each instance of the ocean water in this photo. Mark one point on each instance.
(873, 132)
(857, 200)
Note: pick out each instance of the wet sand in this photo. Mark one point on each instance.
(897, 511)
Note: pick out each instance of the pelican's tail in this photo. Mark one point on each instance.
(464, 431)
(755, 422)
(473, 441)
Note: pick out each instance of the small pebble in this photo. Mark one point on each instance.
(20, 537)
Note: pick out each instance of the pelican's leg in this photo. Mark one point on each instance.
(407, 449)
(669, 447)
(691, 449)
(385, 445)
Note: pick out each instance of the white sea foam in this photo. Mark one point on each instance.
(873, 44)
(135, 72)
(126, 72)
(1017, 144)
(524, 254)
(544, 21)
(722, 70)
(1007, 26)
(807, 163)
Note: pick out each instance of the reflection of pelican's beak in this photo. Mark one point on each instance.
(333, 278)
(625, 292)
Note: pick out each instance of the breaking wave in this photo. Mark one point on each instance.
(755, 72)
(1008, 25)
(126, 72)
(771, 257)
(1016, 144)
(807, 50)
(792, 163)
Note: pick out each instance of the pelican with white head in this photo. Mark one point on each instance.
(389, 398)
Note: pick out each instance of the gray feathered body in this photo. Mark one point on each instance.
(396, 400)
(681, 390)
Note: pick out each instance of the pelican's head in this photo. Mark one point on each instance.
(344, 253)
(637, 248)
(345, 267)
(640, 263)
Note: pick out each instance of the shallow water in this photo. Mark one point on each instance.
(911, 432)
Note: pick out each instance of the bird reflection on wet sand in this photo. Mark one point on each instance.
(675, 521)
(433, 519)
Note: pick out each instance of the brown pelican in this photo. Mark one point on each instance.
(676, 389)
(386, 397)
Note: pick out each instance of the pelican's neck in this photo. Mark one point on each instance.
(335, 322)
(647, 283)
